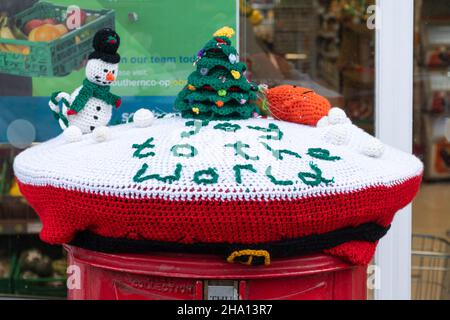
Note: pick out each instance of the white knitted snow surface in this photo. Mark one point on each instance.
(186, 159)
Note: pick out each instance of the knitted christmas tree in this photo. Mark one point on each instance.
(218, 89)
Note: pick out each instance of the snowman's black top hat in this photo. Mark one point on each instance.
(106, 42)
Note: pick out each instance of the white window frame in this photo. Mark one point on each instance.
(394, 126)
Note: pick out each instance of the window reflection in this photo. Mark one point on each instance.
(325, 45)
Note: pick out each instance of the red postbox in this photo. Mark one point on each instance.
(206, 277)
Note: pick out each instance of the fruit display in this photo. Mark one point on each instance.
(34, 30)
(88, 32)
(47, 32)
(46, 40)
(9, 30)
(34, 23)
(29, 268)
(33, 261)
(37, 30)
(5, 267)
(34, 264)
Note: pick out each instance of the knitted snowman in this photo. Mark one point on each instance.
(89, 108)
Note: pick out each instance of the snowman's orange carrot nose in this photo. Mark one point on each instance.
(110, 76)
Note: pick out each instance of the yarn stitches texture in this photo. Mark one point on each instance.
(296, 104)
(89, 90)
(218, 88)
(242, 182)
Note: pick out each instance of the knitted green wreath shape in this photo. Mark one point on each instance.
(209, 111)
(213, 63)
(213, 97)
(221, 74)
(199, 81)
(225, 49)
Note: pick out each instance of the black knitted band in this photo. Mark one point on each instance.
(369, 232)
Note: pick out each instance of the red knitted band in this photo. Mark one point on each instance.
(65, 212)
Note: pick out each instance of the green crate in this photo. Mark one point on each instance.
(39, 287)
(60, 56)
(42, 286)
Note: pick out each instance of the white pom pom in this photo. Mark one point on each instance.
(72, 134)
(337, 116)
(337, 135)
(323, 122)
(373, 148)
(143, 118)
(101, 134)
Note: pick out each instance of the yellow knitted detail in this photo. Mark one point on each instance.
(251, 254)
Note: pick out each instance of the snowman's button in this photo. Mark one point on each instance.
(95, 118)
(92, 128)
(99, 108)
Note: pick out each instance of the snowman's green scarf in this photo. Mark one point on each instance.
(92, 90)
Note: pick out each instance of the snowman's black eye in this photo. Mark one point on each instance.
(105, 70)
(114, 71)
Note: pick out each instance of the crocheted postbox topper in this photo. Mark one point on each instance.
(258, 187)
(222, 181)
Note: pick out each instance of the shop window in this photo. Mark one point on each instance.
(325, 45)
(431, 209)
